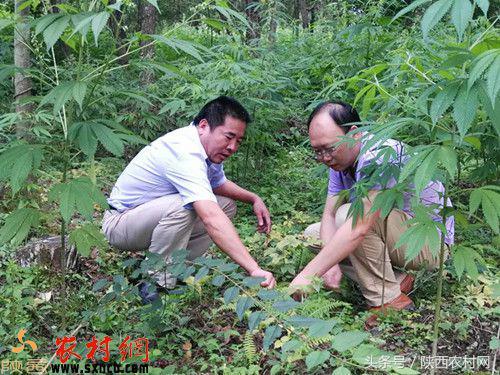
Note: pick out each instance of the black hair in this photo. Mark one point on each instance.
(216, 111)
(341, 113)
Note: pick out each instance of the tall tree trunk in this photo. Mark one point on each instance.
(148, 18)
(304, 13)
(22, 59)
(253, 18)
(115, 24)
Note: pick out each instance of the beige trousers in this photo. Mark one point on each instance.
(162, 226)
(366, 265)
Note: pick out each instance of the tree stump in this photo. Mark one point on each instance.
(47, 252)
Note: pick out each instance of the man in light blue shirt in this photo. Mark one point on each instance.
(174, 193)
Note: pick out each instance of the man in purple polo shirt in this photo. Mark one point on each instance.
(359, 252)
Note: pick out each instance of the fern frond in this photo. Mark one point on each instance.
(249, 347)
(313, 343)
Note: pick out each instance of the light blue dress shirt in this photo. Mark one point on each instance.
(175, 163)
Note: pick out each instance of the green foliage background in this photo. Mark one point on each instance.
(426, 73)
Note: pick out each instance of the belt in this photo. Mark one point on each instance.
(112, 208)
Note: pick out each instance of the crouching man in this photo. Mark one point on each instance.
(367, 252)
(174, 194)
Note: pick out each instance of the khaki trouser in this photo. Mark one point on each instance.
(365, 265)
(162, 226)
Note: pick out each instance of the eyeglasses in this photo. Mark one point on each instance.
(324, 152)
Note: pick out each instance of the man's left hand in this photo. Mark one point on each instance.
(263, 216)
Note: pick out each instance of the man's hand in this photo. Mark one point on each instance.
(269, 281)
(263, 216)
(300, 287)
(332, 278)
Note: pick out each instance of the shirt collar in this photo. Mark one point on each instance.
(196, 136)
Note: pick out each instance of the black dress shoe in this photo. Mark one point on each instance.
(148, 292)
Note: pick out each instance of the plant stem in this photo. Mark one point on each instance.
(437, 311)
(383, 270)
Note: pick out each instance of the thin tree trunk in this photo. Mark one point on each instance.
(22, 59)
(253, 18)
(115, 24)
(148, 18)
(304, 13)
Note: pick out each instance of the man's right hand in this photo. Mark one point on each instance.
(332, 278)
(269, 281)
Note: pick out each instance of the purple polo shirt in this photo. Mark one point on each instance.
(431, 194)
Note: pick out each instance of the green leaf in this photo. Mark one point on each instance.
(268, 294)
(78, 195)
(348, 340)
(214, 23)
(82, 22)
(108, 138)
(230, 294)
(18, 224)
(16, 163)
(484, 5)
(416, 158)
(493, 112)
(461, 15)
(43, 22)
(465, 108)
(251, 282)
(79, 90)
(202, 272)
(448, 158)
(173, 106)
(243, 304)
(316, 358)
(443, 100)
(284, 306)
(4, 23)
(489, 198)
(100, 284)
(86, 237)
(87, 140)
(494, 343)
(458, 258)
(187, 47)
(409, 8)
(433, 14)
(426, 170)
(367, 354)
(480, 64)
(218, 280)
(303, 321)
(422, 231)
(341, 371)
(291, 346)
(59, 95)
(255, 318)
(98, 22)
(54, 31)
(321, 328)
(490, 204)
(493, 80)
(270, 335)
(227, 267)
